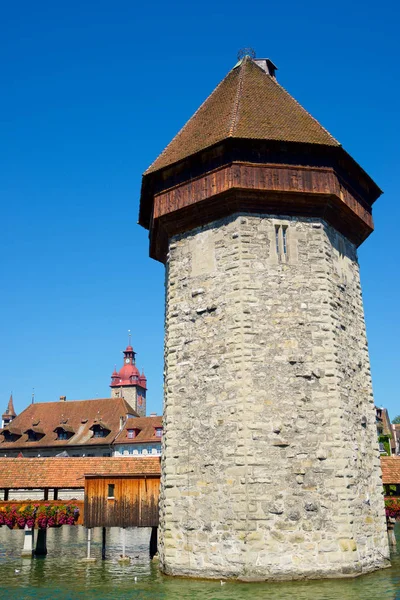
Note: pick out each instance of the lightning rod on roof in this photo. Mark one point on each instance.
(129, 337)
(246, 52)
(33, 395)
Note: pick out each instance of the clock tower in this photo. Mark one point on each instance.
(128, 383)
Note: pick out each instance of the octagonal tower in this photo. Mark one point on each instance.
(270, 457)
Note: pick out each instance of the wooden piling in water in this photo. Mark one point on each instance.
(103, 544)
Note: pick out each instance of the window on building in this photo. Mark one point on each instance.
(106, 454)
(62, 435)
(110, 493)
(158, 431)
(281, 242)
(132, 433)
(99, 432)
(31, 436)
(150, 450)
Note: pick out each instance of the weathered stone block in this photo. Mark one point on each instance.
(267, 377)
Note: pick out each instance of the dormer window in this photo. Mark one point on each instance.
(100, 429)
(98, 432)
(159, 432)
(64, 432)
(34, 433)
(132, 433)
(11, 434)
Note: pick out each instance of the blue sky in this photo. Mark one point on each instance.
(91, 93)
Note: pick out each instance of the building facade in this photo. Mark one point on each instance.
(386, 432)
(89, 428)
(270, 465)
(140, 436)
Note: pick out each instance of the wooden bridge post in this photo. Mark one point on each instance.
(123, 558)
(89, 539)
(27, 549)
(390, 529)
(123, 542)
(103, 544)
(41, 546)
(153, 549)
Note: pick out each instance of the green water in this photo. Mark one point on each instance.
(63, 575)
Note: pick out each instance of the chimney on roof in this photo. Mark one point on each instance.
(266, 65)
(63, 398)
(121, 423)
(153, 414)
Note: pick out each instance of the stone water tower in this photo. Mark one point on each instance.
(270, 457)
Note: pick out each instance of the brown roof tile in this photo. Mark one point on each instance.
(79, 415)
(247, 104)
(147, 430)
(33, 473)
(390, 469)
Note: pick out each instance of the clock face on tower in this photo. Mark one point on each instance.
(127, 361)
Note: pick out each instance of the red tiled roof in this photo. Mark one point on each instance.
(247, 104)
(147, 430)
(80, 415)
(31, 473)
(390, 469)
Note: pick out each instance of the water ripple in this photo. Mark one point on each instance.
(62, 575)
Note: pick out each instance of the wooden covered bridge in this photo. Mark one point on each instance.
(107, 492)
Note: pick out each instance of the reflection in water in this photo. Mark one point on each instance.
(63, 576)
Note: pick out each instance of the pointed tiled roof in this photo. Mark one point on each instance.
(10, 411)
(247, 104)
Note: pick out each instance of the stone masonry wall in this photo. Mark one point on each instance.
(270, 466)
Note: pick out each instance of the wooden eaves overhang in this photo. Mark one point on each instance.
(287, 176)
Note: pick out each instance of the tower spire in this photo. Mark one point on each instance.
(10, 407)
(9, 413)
(128, 382)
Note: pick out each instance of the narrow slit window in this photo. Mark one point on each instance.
(284, 240)
(110, 490)
(277, 228)
(281, 242)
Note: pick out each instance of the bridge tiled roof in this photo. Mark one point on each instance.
(33, 473)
